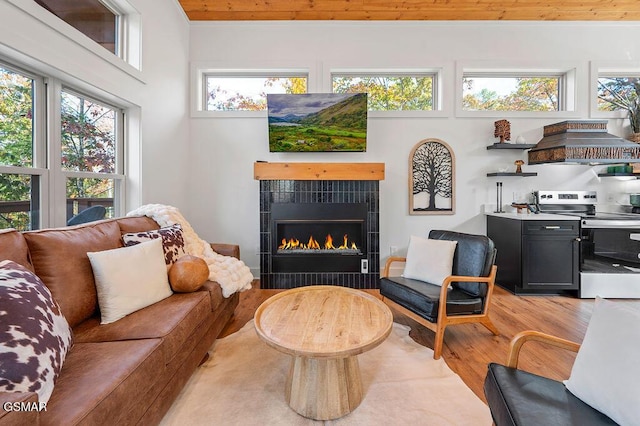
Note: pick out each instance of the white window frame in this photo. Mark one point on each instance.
(609, 69)
(39, 147)
(129, 34)
(47, 148)
(439, 73)
(571, 100)
(58, 181)
(200, 72)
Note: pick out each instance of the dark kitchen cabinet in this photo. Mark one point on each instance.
(536, 256)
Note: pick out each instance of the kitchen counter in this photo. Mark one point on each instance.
(531, 216)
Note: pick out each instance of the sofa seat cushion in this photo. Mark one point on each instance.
(423, 298)
(14, 247)
(59, 258)
(106, 382)
(172, 320)
(517, 397)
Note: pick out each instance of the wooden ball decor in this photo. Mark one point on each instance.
(188, 274)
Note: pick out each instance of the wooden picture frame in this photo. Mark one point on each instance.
(431, 178)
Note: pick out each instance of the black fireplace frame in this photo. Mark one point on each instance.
(318, 194)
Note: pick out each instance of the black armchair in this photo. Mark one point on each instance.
(436, 307)
(517, 397)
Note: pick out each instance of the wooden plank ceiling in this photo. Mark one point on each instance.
(370, 10)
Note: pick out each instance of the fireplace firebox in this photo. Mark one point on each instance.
(312, 237)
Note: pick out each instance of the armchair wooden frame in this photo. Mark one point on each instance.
(526, 336)
(443, 319)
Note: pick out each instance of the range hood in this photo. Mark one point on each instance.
(582, 142)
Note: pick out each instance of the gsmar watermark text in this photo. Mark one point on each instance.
(24, 406)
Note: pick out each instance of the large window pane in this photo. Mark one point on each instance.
(248, 93)
(487, 93)
(83, 193)
(88, 135)
(389, 93)
(90, 17)
(16, 119)
(19, 201)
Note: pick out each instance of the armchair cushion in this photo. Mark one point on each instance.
(429, 260)
(474, 256)
(517, 397)
(423, 298)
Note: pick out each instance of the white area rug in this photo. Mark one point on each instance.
(243, 384)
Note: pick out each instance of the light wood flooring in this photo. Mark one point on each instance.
(468, 348)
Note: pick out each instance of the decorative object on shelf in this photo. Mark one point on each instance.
(431, 178)
(518, 164)
(499, 198)
(520, 140)
(623, 93)
(502, 130)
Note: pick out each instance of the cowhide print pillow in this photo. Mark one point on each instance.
(172, 241)
(34, 336)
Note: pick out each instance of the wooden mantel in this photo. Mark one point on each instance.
(318, 171)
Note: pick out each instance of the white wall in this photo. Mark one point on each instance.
(157, 94)
(225, 196)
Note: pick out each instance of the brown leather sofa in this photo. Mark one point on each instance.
(127, 372)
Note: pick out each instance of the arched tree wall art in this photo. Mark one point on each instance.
(431, 178)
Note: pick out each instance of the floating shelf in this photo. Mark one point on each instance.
(505, 145)
(618, 174)
(512, 174)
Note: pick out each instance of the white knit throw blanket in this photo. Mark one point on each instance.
(232, 274)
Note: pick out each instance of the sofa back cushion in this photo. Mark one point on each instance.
(137, 224)
(59, 258)
(14, 247)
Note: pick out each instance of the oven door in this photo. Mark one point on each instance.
(610, 262)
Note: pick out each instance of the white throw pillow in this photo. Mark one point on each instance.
(606, 371)
(429, 260)
(129, 278)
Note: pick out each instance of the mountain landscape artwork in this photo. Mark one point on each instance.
(319, 122)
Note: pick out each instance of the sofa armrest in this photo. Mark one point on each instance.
(13, 414)
(232, 250)
(526, 336)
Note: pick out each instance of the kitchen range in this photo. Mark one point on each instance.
(568, 247)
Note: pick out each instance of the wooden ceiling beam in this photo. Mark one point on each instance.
(529, 10)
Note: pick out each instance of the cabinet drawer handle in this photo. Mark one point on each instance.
(552, 227)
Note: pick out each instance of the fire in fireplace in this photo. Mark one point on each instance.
(312, 246)
(313, 237)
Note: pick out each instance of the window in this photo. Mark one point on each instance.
(618, 93)
(86, 154)
(91, 17)
(19, 180)
(390, 92)
(483, 92)
(247, 92)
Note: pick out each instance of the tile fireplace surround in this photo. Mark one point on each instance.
(324, 183)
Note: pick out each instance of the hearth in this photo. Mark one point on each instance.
(319, 232)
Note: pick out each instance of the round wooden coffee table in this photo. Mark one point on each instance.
(323, 328)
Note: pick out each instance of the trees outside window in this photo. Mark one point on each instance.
(389, 92)
(621, 93)
(248, 93)
(486, 93)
